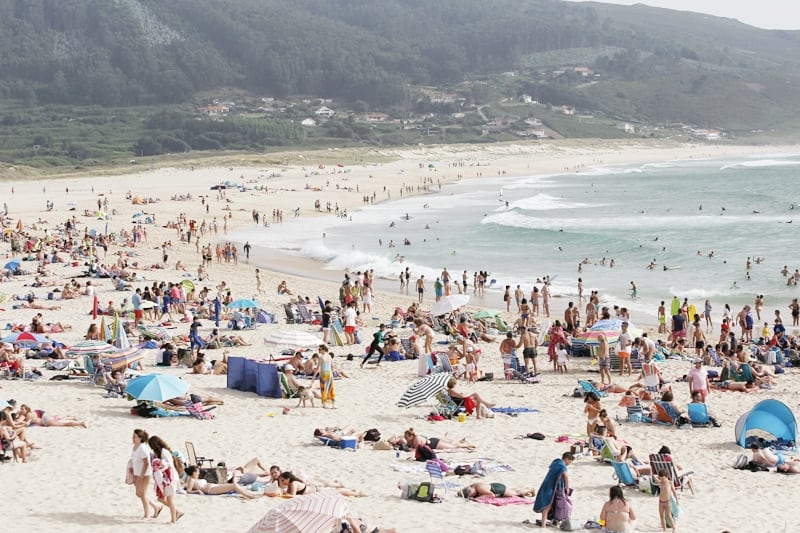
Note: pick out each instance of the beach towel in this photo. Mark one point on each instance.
(501, 502)
(515, 410)
(546, 494)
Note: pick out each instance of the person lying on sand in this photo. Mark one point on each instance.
(195, 485)
(496, 490)
(293, 486)
(410, 440)
(767, 458)
(39, 418)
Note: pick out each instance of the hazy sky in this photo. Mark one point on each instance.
(773, 14)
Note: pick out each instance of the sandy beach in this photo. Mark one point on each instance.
(74, 481)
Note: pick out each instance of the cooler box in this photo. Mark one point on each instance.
(348, 443)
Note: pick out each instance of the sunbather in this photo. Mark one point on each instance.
(195, 485)
(626, 455)
(412, 441)
(496, 490)
(294, 486)
(766, 457)
(39, 418)
(464, 399)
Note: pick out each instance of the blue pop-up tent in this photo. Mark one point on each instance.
(769, 419)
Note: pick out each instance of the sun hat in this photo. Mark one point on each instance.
(697, 360)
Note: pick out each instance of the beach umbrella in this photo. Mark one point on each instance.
(423, 389)
(292, 337)
(188, 285)
(121, 339)
(243, 303)
(486, 313)
(217, 310)
(156, 387)
(448, 304)
(103, 329)
(136, 215)
(20, 227)
(13, 265)
(94, 307)
(89, 348)
(318, 512)
(592, 337)
(607, 324)
(25, 337)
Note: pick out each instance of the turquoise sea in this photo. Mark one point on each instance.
(522, 228)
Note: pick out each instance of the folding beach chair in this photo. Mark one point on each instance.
(609, 451)
(95, 372)
(636, 412)
(664, 414)
(624, 474)
(305, 315)
(434, 469)
(291, 318)
(651, 377)
(444, 362)
(659, 462)
(432, 368)
(588, 387)
(288, 392)
(445, 406)
(192, 457)
(698, 415)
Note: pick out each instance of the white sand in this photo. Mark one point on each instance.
(75, 481)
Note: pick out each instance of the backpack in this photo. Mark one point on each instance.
(372, 435)
(741, 462)
(424, 492)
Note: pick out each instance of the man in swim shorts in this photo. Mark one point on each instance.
(624, 351)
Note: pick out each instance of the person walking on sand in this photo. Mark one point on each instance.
(165, 476)
(603, 359)
(624, 351)
(529, 340)
(666, 495)
(421, 287)
(326, 386)
(141, 470)
(553, 499)
(259, 282)
(375, 346)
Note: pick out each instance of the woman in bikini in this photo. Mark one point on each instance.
(412, 441)
(294, 486)
(617, 514)
(592, 410)
(40, 418)
(195, 485)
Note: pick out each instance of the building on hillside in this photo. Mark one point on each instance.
(215, 110)
(325, 111)
(309, 122)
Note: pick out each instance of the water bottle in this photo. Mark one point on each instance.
(397, 454)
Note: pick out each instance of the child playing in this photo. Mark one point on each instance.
(562, 358)
(304, 393)
(666, 492)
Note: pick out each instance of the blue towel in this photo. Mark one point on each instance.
(514, 410)
(547, 490)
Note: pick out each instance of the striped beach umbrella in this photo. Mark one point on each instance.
(90, 348)
(423, 389)
(25, 337)
(318, 512)
(448, 304)
(292, 338)
(592, 337)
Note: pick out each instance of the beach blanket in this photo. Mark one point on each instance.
(500, 502)
(515, 410)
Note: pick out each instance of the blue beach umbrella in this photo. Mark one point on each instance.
(243, 303)
(217, 309)
(156, 387)
(13, 265)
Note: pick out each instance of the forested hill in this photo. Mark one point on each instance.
(132, 52)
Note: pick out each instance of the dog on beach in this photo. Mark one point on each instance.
(304, 394)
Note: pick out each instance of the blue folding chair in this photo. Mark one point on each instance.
(623, 474)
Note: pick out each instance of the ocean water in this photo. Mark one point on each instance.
(523, 228)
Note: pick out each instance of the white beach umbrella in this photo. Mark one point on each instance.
(292, 337)
(448, 304)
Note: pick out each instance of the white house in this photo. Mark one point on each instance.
(309, 122)
(325, 111)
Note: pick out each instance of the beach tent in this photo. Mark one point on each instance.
(770, 419)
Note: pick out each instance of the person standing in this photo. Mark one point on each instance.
(165, 475)
(326, 321)
(326, 386)
(529, 340)
(350, 323)
(553, 499)
(507, 298)
(624, 351)
(375, 346)
(247, 246)
(707, 314)
(546, 299)
(518, 296)
(421, 287)
(438, 289)
(698, 380)
(603, 359)
(136, 301)
(142, 471)
(699, 338)
(259, 282)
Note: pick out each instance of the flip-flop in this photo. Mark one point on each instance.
(158, 512)
(180, 515)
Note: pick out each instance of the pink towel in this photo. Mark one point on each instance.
(499, 502)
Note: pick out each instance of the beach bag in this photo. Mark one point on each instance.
(562, 504)
(424, 453)
(372, 435)
(741, 461)
(570, 524)
(424, 492)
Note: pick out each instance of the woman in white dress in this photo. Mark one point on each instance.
(142, 471)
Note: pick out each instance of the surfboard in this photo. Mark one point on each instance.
(337, 339)
(692, 311)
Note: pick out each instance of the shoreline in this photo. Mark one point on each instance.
(249, 426)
